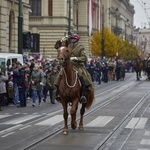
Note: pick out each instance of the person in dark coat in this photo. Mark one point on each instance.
(15, 77)
(105, 72)
(118, 70)
(92, 70)
(98, 71)
(21, 85)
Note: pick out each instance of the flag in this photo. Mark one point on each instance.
(116, 56)
(90, 16)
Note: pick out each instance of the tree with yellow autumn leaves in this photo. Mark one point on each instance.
(112, 45)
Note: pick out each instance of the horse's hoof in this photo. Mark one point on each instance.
(74, 127)
(65, 133)
(81, 128)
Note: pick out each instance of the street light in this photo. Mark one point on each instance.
(69, 21)
(76, 2)
(126, 28)
(20, 19)
(103, 41)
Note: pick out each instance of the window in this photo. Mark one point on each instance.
(35, 6)
(14, 60)
(50, 6)
(8, 62)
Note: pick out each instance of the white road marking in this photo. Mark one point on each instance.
(10, 129)
(25, 127)
(141, 124)
(100, 121)
(132, 123)
(145, 142)
(137, 123)
(4, 116)
(17, 113)
(143, 149)
(147, 133)
(20, 119)
(52, 121)
(8, 134)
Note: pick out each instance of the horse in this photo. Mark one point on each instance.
(70, 90)
(138, 69)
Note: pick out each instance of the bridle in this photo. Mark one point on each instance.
(65, 60)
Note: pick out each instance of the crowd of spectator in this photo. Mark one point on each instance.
(35, 78)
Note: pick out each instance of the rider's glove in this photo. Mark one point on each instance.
(73, 58)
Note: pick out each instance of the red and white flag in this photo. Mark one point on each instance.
(90, 16)
(116, 56)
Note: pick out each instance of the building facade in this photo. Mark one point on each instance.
(142, 40)
(51, 20)
(9, 24)
(56, 18)
(118, 17)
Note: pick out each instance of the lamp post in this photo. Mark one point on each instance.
(69, 18)
(69, 21)
(103, 40)
(126, 29)
(20, 19)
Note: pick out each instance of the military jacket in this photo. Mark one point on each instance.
(50, 79)
(79, 52)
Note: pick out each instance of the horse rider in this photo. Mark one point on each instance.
(78, 59)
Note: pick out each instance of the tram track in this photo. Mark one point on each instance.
(123, 122)
(94, 109)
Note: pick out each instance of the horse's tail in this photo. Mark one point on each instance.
(90, 98)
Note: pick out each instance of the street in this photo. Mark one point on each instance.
(118, 119)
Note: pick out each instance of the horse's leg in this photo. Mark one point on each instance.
(137, 76)
(82, 111)
(140, 74)
(65, 115)
(73, 112)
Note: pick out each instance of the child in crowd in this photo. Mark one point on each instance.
(10, 90)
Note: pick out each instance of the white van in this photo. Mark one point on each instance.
(7, 59)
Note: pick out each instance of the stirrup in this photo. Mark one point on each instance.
(58, 99)
(83, 99)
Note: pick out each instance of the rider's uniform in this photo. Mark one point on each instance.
(78, 59)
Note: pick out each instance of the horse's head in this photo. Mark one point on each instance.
(63, 55)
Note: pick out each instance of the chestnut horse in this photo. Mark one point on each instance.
(70, 90)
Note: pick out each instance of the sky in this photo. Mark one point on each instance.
(142, 13)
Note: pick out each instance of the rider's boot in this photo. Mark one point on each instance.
(83, 87)
(82, 98)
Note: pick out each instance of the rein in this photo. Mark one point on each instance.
(71, 86)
